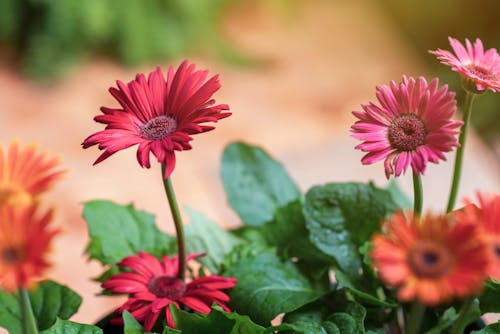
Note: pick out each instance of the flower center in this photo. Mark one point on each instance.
(496, 249)
(481, 72)
(407, 132)
(165, 286)
(11, 255)
(11, 195)
(429, 260)
(159, 127)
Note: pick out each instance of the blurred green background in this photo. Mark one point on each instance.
(46, 37)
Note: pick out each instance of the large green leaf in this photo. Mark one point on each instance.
(333, 313)
(70, 327)
(267, 287)
(256, 184)
(217, 321)
(117, 231)
(341, 217)
(205, 236)
(489, 300)
(289, 224)
(10, 318)
(49, 301)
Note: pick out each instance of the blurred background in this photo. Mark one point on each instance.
(291, 70)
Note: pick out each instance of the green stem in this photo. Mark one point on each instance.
(179, 228)
(415, 318)
(457, 172)
(27, 317)
(418, 194)
(461, 322)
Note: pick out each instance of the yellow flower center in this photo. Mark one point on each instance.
(12, 195)
(428, 259)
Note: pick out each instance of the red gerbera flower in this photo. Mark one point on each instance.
(159, 115)
(153, 285)
(431, 258)
(487, 216)
(411, 126)
(25, 173)
(473, 63)
(24, 243)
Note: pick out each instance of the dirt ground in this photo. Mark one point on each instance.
(323, 61)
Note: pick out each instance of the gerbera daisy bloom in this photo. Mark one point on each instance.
(487, 216)
(411, 125)
(431, 258)
(25, 173)
(153, 285)
(473, 63)
(24, 243)
(159, 115)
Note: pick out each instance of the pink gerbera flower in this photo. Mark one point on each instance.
(412, 125)
(473, 63)
(153, 285)
(159, 115)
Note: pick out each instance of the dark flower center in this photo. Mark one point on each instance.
(496, 249)
(481, 72)
(11, 255)
(165, 286)
(159, 127)
(407, 132)
(429, 260)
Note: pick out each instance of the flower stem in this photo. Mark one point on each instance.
(27, 317)
(415, 318)
(179, 228)
(461, 322)
(418, 195)
(457, 172)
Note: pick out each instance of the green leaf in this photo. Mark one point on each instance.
(309, 319)
(256, 184)
(267, 287)
(333, 313)
(341, 217)
(49, 301)
(302, 327)
(446, 320)
(10, 318)
(364, 297)
(130, 325)
(398, 196)
(117, 231)
(490, 329)
(205, 236)
(217, 321)
(488, 301)
(70, 327)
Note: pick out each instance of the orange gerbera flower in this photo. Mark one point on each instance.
(25, 173)
(24, 242)
(431, 258)
(487, 216)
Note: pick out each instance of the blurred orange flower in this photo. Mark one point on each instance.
(25, 172)
(487, 216)
(24, 243)
(430, 258)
